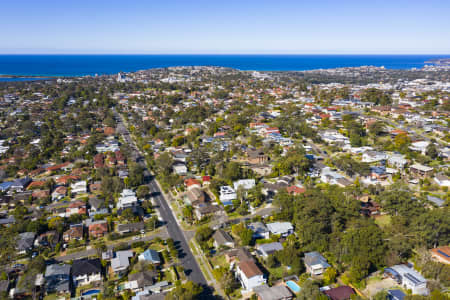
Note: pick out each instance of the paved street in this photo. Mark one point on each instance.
(187, 260)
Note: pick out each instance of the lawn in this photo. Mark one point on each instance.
(219, 260)
(383, 221)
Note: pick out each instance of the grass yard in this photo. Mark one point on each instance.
(383, 221)
(219, 260)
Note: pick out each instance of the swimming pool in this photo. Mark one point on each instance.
(293, 286)
(90, 292)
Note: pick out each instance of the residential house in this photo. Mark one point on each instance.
(256, 156)
(420, 146)
(86, 271)
(420, 171)
(270, 248)
(249, 275)
(59, 193)
(57, 279)
(75, 232)
(409, 278)
(397, 161)
(436, 201)
(442, 180)
(141, 281)
(260, 230)
(227, 194)
(222, 238)
(373, 156)
(79, 187)
(239, 254)
(20, 185)
(396, 295)
(98, 228)
(151, 256)
(127, 199)
(121, 262)
(281, 228)
(206, 210)
(25, 242)
(315, 263)
(245, 184)
(76, 208)
(441, 254)
(195, 196)
(180, 168)
(340, 293)
(130, 227)
(277, 292)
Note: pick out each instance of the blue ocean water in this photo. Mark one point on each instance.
(77, 65)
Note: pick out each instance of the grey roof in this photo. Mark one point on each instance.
(131, 227)
(315, 258)
(279, 227)
(145, 278)
(222, 237)
(270, 247)
(438, 201)
(26, 240)
(272, 293)
(56, 269)
(96, 202)
(86, 266)
(121, 260)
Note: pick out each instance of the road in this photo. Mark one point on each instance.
(186, 257)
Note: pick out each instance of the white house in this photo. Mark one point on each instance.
(127, 199)
(227, 194)
(420, 146)
(281, 228)
(373, 156)
(442, 180)
(397, 160)
(409, 278)
(246, 184)
(315, 263)
(79, 187)
(180, 169)
(121, 262)
(249, 275)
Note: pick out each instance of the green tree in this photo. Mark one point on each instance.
(185, 291)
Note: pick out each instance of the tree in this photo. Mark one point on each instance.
(142, 191)
(245, 234)
(329, 276)
(376, 128)
(432, 151)
(164, 163)
(310, 290)
(185, 291)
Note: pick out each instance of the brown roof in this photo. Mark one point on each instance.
(249, 268)
(340, 293)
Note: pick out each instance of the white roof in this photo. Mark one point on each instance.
(280, 227)
(245, 183)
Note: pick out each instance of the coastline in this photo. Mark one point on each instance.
(76, 65)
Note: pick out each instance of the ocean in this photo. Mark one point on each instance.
(79, 65)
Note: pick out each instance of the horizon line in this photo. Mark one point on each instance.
(278, 54)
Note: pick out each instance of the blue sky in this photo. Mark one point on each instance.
(227, 26)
